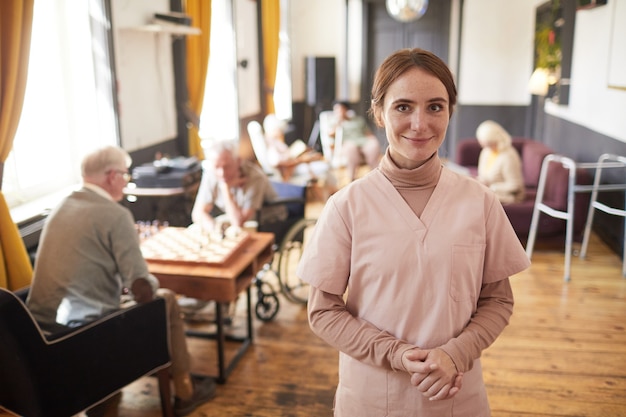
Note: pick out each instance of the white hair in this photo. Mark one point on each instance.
(491, 133)
(271, 123)
(103, 159)
(215, 148)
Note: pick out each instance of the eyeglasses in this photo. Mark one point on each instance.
(125, 175)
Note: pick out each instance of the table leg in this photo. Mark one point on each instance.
(249, 307)
(225, 369)
(220, 342)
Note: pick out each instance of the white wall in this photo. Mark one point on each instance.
(617, 54)
(145, 74)
(593, 104)
(352, 91)
(496, 58)
(248, 49)
(317, 28)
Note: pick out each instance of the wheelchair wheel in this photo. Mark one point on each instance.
(289, 254)
(266, 307)
(267, 304)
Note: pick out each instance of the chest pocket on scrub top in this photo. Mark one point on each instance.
(466, 271)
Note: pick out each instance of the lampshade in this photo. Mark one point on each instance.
(407, 10)
(538, 83)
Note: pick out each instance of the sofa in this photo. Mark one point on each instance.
(520, 214)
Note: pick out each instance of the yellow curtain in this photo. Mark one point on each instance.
(270, 21)
(16, 20)
(198, 48)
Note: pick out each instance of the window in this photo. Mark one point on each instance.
(282, 87)
(60, 118)
(220, 117)
(220, 111)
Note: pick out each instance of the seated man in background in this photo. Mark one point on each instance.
(233, 189)
(88, 255)
(499, 163)
(358, 143)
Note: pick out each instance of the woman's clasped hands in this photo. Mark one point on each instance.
(433, 373)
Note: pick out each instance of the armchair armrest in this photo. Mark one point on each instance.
(117, 349)
(69, 373)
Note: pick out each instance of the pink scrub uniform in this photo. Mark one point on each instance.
(418, 279)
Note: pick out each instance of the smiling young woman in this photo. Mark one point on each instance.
(422, 256)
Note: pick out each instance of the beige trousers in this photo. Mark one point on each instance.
(181, 362)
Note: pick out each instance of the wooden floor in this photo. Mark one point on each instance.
(563, 354)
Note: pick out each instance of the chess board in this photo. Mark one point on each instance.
(191, 246)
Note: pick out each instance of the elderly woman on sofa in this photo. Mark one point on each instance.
(499, 164)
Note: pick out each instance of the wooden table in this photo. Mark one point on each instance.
(221, 283)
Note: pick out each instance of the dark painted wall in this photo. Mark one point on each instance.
(584, 145)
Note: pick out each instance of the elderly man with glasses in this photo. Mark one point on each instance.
(89, 255)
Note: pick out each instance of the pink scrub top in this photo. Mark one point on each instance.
(416, 278)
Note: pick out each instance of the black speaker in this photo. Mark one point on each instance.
(320, 80)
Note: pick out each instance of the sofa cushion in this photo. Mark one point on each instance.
(533, 153)
(555, 192)
(467, 152)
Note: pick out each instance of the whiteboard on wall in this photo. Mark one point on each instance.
(617, 50)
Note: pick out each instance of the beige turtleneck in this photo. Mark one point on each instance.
(414, 185)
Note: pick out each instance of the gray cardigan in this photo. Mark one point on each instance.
(88, 252)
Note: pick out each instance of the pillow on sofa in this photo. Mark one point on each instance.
(533, 153)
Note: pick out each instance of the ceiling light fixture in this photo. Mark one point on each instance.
(407, 10)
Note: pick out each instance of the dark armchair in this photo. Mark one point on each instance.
(73, 371)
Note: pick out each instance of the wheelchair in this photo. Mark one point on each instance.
(290, 237)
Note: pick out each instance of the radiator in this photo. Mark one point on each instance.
(30, 230)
